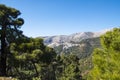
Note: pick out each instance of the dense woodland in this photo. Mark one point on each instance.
(25, 58)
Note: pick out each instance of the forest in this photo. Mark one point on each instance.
(26, 58)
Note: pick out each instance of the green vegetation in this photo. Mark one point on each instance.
(106, 60)
(9, 25)
(68, 67)
(83, 49)
(25, 58)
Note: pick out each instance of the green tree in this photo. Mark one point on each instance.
(8, 20)
(68, 67)
(107, 59)
(30, 59)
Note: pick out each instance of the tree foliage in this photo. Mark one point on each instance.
(68, 67)
(107, 60)
(9, 25)
(27, 58)
(31, 59)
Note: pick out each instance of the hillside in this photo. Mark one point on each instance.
(83, 48)
(81, 44)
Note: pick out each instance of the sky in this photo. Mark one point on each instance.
(64, 17)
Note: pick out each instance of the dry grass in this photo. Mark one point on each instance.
(5, 78)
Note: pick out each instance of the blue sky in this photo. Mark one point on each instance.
(58, 17)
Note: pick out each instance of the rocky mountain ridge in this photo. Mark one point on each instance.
(71, 40)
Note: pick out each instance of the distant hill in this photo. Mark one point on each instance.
(54, 41)
(81, 44)
(82, 49)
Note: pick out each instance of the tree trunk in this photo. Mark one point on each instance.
(3, 56)
(37, 74)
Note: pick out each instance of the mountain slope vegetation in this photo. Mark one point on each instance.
(80, 56)
(106, 60)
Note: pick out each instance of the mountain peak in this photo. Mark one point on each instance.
(76, 37)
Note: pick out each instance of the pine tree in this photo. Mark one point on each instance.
(107, 60)
(8, 20)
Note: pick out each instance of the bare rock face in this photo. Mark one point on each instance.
(67, 40)
(81, 44)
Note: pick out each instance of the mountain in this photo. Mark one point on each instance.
(82, 49)
(67, 40)
(81, 44)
